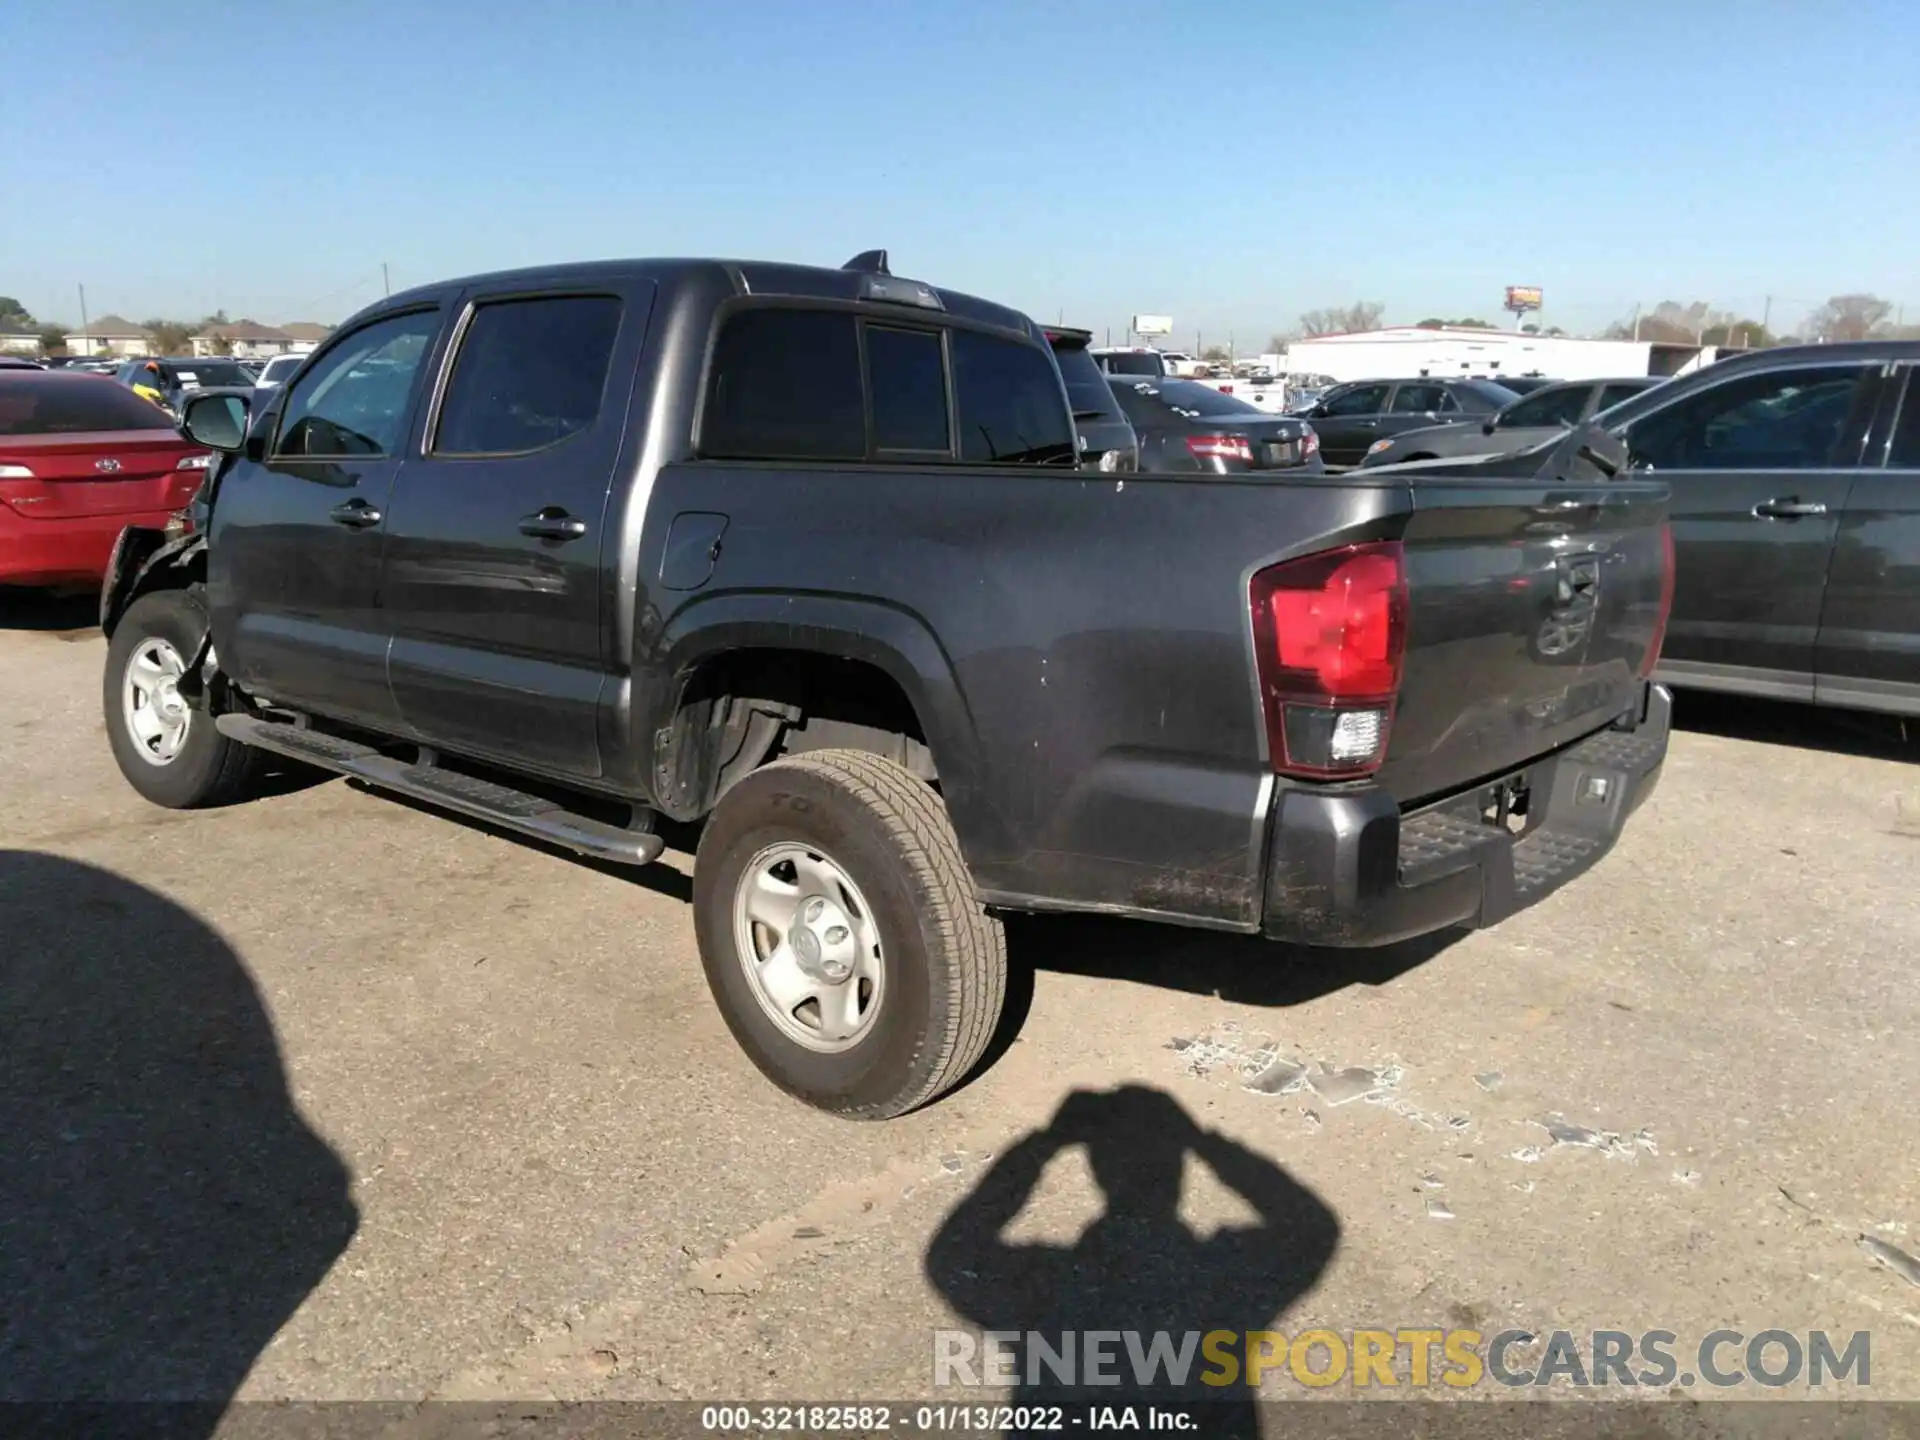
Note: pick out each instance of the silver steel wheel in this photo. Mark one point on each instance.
(156, 717)
(810, 946)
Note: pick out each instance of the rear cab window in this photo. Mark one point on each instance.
(789, 383)
(1087, 386)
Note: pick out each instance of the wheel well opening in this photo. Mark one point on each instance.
(743, 708)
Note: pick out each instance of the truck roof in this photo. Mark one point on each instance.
(742, 277)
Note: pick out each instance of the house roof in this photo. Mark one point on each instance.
(111, 327)
(306, 330)
(244, 330)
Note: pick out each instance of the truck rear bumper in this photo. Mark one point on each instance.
(1346, 868)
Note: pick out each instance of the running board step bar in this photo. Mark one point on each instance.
(532, 815)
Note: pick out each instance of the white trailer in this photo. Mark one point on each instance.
(1406, 351)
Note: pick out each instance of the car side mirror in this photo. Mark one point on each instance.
(1492, 424)
(218, 422)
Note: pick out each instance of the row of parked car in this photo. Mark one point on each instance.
(1795, 478)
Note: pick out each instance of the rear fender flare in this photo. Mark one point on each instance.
(891, 639)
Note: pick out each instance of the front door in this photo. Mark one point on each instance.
(1348, 422)
(294, 558)
(497, 563)
(1759, 467)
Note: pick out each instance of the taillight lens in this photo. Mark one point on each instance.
(1309, 443)
(1666, 602)
(1329, 640)
(1220, 447)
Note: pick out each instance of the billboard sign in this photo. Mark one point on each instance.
(1153, 324)
(1521, 298)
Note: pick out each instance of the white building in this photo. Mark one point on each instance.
(14, 341)
(110, 336)
(1407, 350)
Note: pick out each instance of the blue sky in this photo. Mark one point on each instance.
(1228, 162)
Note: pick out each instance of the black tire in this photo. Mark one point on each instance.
(208, 768)
(944, 958)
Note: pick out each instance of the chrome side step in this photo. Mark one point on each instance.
(533, 815)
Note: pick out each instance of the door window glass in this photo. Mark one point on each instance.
(529, 374)
(354, 401)
(1781, 420)
(1905, 450)
(1559, 406)
(1417, 399)
(1361, 400)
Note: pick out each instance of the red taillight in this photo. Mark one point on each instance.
(1329, 640)
(1220, 447)
(1666, 601)
(1225, 389)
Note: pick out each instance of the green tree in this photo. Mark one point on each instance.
(1216, 355)
(169, 337)
(1343, 319)
(13, 315)
(53, 340)
(1850, 317)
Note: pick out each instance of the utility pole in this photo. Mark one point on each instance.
(383, 280)
(1766, 316)
(85, 345)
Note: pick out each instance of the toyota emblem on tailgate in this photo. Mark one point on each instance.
(106, 467)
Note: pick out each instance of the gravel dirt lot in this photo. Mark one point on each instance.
(325, 1096)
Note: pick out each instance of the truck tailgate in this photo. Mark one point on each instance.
(1533, 603)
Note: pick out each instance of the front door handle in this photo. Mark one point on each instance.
(552, 523)
(1790, 508)
(355, 514)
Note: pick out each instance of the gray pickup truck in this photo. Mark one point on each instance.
(811, 556)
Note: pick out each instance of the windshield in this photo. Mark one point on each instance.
(1086, 386)
(1135, 364)
(1187, 397)
(74, 406)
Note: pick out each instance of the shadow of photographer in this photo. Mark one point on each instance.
(164, 1208)
(1138, 1267)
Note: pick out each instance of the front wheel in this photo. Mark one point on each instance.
(842, 937)
(168, 749)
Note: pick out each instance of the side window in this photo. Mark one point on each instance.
(528, 374)
(1449, 405)
(1417, 399)
(785, 385)
(1783, 420)
(1361, 400)
(354, 402)
(1614, 394)
(1905, 449)
(1547, 407)
(908, 378)
(1012, 409)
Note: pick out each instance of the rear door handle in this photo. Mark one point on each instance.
(355, 514)
(552, 523)
(1790, 508)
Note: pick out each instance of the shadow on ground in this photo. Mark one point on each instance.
(68, 615)
(1783, 722)
(1138, 1268)
(164, 1208)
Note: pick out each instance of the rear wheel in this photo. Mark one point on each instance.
(842, 936)
(168, 750)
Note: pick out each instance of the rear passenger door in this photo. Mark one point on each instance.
(1869, 647)
(495, 576)
(1759, 465)
(1348, 422)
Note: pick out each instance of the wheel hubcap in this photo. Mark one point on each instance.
(157, 716)
(808, 942)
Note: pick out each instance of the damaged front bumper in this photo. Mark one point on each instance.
(1347, 868)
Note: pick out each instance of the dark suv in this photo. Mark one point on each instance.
(1349, 418)
(1796, 518)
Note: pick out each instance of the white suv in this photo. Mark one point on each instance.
(276, 371)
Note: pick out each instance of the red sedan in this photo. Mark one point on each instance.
(80, 458)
